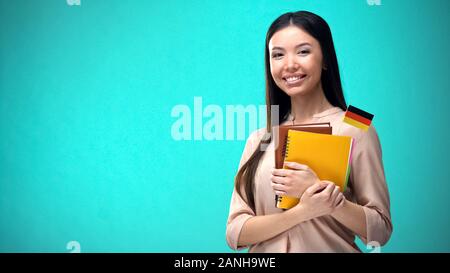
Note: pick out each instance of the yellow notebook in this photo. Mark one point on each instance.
(328, 155)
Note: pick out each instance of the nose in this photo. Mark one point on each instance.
(291, 64)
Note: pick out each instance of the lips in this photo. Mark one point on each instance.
(294, 79)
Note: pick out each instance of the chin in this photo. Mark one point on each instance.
(296, 91)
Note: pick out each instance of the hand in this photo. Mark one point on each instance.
(321, 199)
(293, 181)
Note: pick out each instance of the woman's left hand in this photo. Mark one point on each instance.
(293, 181)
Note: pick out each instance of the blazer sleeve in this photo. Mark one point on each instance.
(370, 188)
(240, 211)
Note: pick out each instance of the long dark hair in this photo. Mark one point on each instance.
(330, 79)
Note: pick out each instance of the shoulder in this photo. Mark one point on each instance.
(255, 138)
(365, 141)
(344, 129)
(256, 135)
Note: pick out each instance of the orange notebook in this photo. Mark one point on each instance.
(328, 155)
(281, 132)
(280, 136)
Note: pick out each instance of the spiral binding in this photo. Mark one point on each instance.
(285, 152)
(286, 146)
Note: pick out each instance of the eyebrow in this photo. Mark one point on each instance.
(299, 45)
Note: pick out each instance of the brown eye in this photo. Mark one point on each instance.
(277, 55)
(303, 52)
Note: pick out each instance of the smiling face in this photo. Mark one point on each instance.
(295, 61)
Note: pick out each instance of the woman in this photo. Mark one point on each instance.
(302, 77)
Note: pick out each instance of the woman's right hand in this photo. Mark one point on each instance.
(321, 199)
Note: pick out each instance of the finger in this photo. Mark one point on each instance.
(338, 199)
(314, 188)
(329, 189)
(278, 187)
(341, 203)
(278, 179)
(295, 166)
(334, 195)
(281, 172)
(280, 193)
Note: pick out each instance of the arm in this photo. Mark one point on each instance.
(261, 228)
(368, 212)
(353, 217)
(319, 199)
(294, 182)
(350, 214)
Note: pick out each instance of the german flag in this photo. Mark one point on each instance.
(358, 118)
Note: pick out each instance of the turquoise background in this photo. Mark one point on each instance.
(86, 94)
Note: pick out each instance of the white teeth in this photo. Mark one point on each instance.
(292, 79)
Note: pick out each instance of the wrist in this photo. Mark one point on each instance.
(312, 182)
(339, 210)
(300, 213)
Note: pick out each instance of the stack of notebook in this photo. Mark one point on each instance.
(313, 145)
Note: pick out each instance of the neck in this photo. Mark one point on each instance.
(304, 107)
